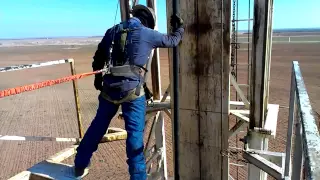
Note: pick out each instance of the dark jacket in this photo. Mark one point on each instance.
(142, 41)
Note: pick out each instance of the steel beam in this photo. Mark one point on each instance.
(260, 63)
(125, 9)
(263, 164)
(261, 56)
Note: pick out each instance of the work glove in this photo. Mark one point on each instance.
(98, 82)
(176, 21)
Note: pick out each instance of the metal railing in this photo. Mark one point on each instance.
(306, 150)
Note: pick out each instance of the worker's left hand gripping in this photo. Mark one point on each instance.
(98, 82)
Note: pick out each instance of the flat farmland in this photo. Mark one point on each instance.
(51, 111)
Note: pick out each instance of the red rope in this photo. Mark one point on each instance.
(31, 87)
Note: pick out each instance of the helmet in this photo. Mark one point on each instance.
(151, 17)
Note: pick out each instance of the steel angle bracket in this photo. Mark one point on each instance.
(269, 162)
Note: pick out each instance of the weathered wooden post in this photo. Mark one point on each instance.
(203, 88)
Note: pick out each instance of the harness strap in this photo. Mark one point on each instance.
(125, 70)
(132, 95)
(129, 71)
(124, 67)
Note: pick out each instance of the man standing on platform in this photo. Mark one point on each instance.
(125, 49)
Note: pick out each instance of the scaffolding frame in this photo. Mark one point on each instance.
(252, 110)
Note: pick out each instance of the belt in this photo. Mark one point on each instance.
(132, 95)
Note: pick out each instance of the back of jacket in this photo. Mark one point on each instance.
(140, 43)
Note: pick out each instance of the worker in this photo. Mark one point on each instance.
(125, 49)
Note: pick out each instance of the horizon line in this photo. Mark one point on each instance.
(314, 29)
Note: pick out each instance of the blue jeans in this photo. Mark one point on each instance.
(134, 117)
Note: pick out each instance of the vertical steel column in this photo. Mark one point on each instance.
(176, 100)
(125, 9)
(155, 59)
(76, 98)
(298, 150)
(261, 57)
(292, 108)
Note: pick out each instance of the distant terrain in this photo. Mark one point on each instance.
(51, 112)
(282, 35)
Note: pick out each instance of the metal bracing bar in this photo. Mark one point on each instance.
(240, 43)
(238, 105)
(237, 128)
(168, 112)
(37, 138)
(161, 144)
(149, 151)
(154, 157)
(151, 110)
(239, 91)
(244, 43)
(34, 65)
(237, 20)
(230, 177)
(243, 64)
(166, 96)
(150, 115)
(247, 112)
(242, 85)
(242, 117)
(263, 164)
(151, 131)
(158, 106)
(240, 124)
(157, 128)
(238, 165)
(274, 157)
(110, 136)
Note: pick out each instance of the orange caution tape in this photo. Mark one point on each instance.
(31, 87)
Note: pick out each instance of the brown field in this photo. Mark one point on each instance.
(51, 111)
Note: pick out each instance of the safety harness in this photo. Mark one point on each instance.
(123, 66)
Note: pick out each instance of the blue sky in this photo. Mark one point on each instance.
(51, 18)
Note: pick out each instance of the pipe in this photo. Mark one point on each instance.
(176, 100)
